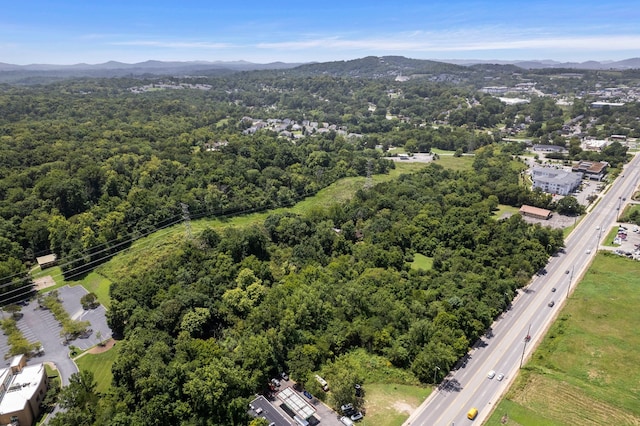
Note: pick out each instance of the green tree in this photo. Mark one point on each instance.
(80, 400)
(193, 321)
(569, 206)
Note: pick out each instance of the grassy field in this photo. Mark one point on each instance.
(629, 208)
(608, 239)
(100, 366)
(585, 371)
(391, 394)
(92, 282)
(391, 404)
(442, 151)
(455, 163)
(421, 261)
(502, 209)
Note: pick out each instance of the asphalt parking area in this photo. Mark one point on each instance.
(39, 325)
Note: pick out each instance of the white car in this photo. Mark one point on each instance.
(588, 251)
(500, 377)
(491, 374)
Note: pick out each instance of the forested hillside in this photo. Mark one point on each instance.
(204, 329)
(89, 166)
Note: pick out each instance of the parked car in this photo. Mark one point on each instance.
(307, 394)
(357, 416)
(346, 421)
(347, 409)
(284, 376)
(323, 383)
(358, 390)
(275, 382)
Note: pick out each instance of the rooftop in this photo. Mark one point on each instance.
(294, 401)
(19, 386)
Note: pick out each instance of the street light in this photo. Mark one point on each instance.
(570, 279)
(435, 370)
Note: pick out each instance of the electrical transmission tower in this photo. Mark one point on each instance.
(187, 220)
(368, 183)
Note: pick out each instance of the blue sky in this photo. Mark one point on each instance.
(96, 31)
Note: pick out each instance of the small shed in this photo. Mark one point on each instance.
(535, 212)
(47, 261)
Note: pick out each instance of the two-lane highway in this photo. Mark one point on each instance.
(505, 348)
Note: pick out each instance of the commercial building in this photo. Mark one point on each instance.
(22, 389)
(535, 212)
(594, 170)
(555, 181)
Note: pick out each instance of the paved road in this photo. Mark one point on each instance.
(504, 350)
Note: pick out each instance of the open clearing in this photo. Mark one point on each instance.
(585, 372)
(100, 365)
(391, 404)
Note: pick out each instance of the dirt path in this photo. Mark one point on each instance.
(99, 349)
(44, 282)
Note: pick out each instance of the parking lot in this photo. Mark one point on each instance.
(277, 410)
(627, 246)
(39, 325)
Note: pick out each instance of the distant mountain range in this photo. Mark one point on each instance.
(151, 66)
(632, 63)
(370, 66)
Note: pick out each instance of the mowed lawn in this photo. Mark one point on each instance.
(586, 371)
(100, 366)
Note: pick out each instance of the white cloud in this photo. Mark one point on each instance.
(456, 42)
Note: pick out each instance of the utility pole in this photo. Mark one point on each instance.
(434, 373)
(526, 340)
(570, 279)
(619, 207)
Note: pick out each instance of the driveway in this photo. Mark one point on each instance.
(39, 325)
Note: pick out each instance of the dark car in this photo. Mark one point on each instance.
(566, 272)
(553, 289)
(307, 394)
(358, 390)
(347, 409)
(550, 304)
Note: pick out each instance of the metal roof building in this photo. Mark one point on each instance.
(296, 403)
